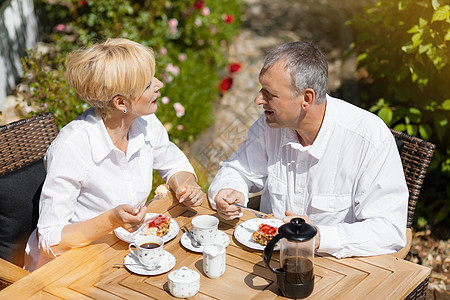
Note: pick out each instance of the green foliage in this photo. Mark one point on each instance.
(403, 46)
(189, 37)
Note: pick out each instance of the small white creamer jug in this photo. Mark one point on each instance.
(214, 260)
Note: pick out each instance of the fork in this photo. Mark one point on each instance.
(257, 214)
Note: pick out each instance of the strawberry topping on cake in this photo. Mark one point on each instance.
(264, 233)
(158, 225)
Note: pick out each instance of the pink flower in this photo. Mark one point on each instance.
(173, 23)
(166, 78)
(179, 109)
(180, 127)
(173, 30)
(200, 42)
(163, 50)
(228, 18)
(198, 22)
(182, 57)
(206, 11)
(60, 27)
(165, 100)
(213, 30)
(173, 69)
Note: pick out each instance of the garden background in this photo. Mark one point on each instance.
(390, 57)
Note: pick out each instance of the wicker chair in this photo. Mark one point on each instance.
(22, 146)
(416, 156)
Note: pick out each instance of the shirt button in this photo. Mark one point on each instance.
(331, 205)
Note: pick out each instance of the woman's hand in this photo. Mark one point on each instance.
(190, 195)
(186, 189)
(124, 216)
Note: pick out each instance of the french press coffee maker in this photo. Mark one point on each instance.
(295, 277)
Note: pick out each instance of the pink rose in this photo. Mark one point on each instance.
(173, 69)
(163, 50)
(60, 27)
(182, 57)
(179, 109)
(180, 127)
(173, 23)
(165, 100)
(206, 11)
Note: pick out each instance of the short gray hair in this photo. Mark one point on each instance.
(306, 65)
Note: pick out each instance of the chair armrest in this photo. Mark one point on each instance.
(10, 273)
(404, 251)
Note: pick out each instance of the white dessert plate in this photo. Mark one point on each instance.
(243, 232)
(165, 265)
(222, 238)
(129, 237)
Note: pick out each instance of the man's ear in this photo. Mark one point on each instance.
(309, 96)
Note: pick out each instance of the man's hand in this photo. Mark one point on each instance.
(290, 215)
(224, 200)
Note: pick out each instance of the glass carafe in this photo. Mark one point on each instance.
(295, 277)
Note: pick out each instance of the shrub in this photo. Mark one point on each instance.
(403, 47)
(190, 40)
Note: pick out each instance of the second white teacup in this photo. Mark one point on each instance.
(205, 229)
(149, 249)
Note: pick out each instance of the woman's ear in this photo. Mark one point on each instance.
(309, 96)
(120, 103)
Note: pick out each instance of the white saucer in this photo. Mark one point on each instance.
(165, 265)
(129, 237)
(221, 238)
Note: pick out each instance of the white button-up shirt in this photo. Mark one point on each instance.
(88, 175)
(349, 182)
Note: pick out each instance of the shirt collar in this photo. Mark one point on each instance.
(289, 136)
(101, 142)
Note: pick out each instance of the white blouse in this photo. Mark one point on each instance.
(88, 175)
(349, 182)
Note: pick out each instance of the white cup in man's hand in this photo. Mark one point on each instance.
(205, 229)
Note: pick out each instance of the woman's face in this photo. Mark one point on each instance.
(146, 104)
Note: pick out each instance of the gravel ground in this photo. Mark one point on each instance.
(270, 23)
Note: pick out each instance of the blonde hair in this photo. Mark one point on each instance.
(116, 67)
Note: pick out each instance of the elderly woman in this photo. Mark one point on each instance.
(99, 168)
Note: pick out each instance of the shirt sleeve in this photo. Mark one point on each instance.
(168, 158)
(380, 209)
(59, 193)
(246, 170)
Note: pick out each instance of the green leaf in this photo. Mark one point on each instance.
(410, 129)
(422, 22)
(446, 104)
(441, 13)
(416, 39)
(386, 115)
(400, 127)
(415, 114)
(425, 131)
(435, 4)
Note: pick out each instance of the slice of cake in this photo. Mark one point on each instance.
(264, 234)
(158, 225)
(162, 190)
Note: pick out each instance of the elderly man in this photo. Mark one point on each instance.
(318, 157)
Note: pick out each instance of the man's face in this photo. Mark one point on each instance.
(281, 110)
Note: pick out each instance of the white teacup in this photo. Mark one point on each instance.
(149, 249)
(205, 229)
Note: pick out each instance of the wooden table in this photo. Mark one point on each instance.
(88, 272)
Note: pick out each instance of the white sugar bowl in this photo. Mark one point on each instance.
(184, 282)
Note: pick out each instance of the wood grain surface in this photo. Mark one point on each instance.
(88, 272)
